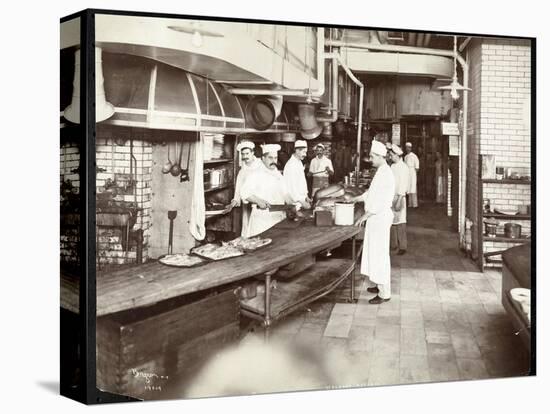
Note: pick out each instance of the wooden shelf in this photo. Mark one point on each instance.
(220, 187)
(508, 216)
(217, 161)
(492, 181)
(502, 238)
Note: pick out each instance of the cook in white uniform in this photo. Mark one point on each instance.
(295, 178)
(264, 188)
(250, 164)
(375, 262)
(320, 168)
(414, 165)
(399, 207)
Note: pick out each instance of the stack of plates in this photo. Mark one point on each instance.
(217, 148)
(208, 146)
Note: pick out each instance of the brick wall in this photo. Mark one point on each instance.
(500, 78)
(69, 161)
(474, 139)
(113, 163)
(113, 155)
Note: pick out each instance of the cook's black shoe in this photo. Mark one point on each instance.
(377, 300)
(401, 252)
(373, 290)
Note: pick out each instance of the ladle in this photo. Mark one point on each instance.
(176, 168)
(185, 171)
(168, 165)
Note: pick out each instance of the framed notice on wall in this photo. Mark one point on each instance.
(453, 145)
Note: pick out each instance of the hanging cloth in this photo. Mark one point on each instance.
(198, 208)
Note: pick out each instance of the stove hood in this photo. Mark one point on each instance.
(150, 94)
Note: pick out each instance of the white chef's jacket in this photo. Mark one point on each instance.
(319, 180)
(414, 164)
(401, 176)
(320, 164)
(242, 176)
(378, 199)
(270, 186)
(295, 179)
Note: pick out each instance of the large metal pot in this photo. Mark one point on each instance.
(512, 230)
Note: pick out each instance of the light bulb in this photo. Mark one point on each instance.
(454, 93)
(197, 39)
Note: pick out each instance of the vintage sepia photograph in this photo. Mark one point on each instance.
(285, 207)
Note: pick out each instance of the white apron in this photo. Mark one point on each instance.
(262, 220)
(242, 176)
(321, 178)
(268, 185)
(401, 175)
(414, 164)
(375, 262)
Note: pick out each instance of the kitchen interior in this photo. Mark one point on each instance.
(174, 109)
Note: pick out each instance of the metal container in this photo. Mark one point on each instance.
(248, 291)
(512, 230)
(343, 214)
(491, 228)
(525, 209)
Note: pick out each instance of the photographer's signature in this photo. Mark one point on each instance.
(150, 379)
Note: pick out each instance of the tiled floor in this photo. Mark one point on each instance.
(444, 322)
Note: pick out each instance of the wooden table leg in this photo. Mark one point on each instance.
(353, 257)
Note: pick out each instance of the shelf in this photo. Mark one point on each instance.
(502, 238)
(508, 216)
(217, 161)
(220, 187)
(520, 182)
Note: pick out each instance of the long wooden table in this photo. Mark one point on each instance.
(150, 283)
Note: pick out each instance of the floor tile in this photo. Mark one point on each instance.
(413, 341)
(413, 369)
(384, 371)
(472, 368)
(465, 346)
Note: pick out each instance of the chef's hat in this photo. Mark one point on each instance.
(408, 144)
(396, 150)
(300, 144)
(245, 144)
(267, 148)
(378, 148)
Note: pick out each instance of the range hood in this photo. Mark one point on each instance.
(149, 94)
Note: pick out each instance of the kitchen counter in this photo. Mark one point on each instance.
(150, 283)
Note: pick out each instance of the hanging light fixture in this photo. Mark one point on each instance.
(197, 32)
(454, 86)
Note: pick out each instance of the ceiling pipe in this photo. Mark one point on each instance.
(334, 104)
(307, 93)
(360, 107)
(427, 39)
(464, 140)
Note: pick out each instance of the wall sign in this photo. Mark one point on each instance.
(449, 128)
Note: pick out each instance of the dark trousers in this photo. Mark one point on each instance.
(398, 236)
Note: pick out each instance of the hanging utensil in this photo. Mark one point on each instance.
(168, 165)
(185, 171)
(176, 168)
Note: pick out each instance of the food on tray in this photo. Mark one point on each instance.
(181, 260)
(251, 243)
(214, 251)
